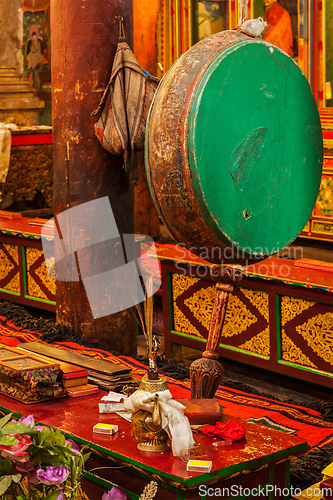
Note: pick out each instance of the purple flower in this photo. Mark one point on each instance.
(74, 447)
(53, 475)
(28, 421)
(115, 494)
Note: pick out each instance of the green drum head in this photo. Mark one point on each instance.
(255, 148)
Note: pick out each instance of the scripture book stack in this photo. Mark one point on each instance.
(74, 378)
(111, 382)
(84, 374)
(75, 381)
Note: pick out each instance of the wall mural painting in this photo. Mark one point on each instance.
(213, 16)
(36, 45)
(280, 15)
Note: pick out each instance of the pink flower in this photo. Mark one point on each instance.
(28, 421)
(53, 475)
(41, 427)
(115, 494)
(74, 447)
(17, 451)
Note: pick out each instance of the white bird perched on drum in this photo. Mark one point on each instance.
(253, 27)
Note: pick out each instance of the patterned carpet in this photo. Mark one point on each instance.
(303, 422)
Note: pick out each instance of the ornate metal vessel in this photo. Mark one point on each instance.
(147, 427)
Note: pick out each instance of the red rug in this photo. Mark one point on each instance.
(296, 420)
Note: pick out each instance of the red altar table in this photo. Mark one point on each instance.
(262, 459)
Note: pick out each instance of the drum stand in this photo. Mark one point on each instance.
(206, 372)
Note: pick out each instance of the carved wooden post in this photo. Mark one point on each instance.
(84, 40)
(206, 372)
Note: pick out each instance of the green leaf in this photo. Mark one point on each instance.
(5, 466)
(86, 456)
(64, 451)
(40, 436)
(53, 495)
(15, 428)
(8, 440)
(59, 438)
(16, 478)
(49, 439)
(5, 419)
(44, 457)
(72, 471)
(5, 482)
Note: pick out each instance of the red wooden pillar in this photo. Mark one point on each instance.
(84, 40)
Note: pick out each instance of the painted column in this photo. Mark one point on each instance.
(84, 40)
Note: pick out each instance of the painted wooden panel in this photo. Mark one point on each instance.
(271, 321)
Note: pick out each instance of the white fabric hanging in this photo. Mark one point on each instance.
(174, 421)
(5, 147)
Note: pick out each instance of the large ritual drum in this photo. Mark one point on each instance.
(234, 149)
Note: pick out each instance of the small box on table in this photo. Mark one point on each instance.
(105, 428)
(199, 466)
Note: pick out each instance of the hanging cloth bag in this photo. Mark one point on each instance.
(120, 119)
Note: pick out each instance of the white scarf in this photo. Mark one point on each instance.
(174, 421)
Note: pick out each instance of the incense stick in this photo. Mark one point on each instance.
(146, 320)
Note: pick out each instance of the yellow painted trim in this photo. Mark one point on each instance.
(190, 27)
(322, 218)
(178, 29)
(328, 144)
(170, 33)
(233, 19)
